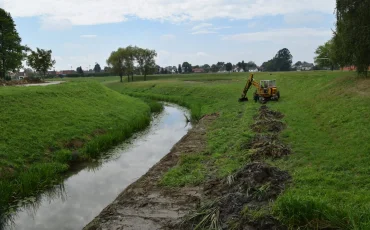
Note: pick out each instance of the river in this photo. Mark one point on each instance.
(87, 191)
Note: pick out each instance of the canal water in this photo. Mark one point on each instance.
(87, 191)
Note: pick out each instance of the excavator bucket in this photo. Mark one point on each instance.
(243, 99)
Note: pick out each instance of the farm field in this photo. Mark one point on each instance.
(327, 117)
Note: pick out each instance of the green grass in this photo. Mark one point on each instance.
(327, 114)
(43, 130)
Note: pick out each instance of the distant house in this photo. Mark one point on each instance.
(253, 70)
(19, 76)
(350, 68)
(305, 66)
(63, 72)
(198, 70)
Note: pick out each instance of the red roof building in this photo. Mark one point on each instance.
(198, 70)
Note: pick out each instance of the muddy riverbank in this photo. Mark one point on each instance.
(224, 203)
(144, 204)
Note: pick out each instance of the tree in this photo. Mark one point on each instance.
(214, 68)
(11, 50)
(229, 67)
(146, 61)
(250, 65)
(187, 67)
(326, 56)
(283, 60)
(79, 70)
(352, 36)
(206, 68)
(116, 61)
(41, 61)
(179, 69)
(107, 69)
(97, 68)
(129, 58)
(298, 63)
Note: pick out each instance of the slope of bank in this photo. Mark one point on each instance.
(327, 116)
(43, 130)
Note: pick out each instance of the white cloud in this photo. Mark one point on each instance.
(204, 32)
(222, 27)
(207, 28)
(203, 54)
(52, 23)
(91, 12)
(168, 37)
(88, 36)
(303, 18)
(280, 35)
(202, 26)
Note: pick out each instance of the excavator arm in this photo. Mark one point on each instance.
(250, 82)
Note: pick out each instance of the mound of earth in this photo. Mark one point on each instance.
(250, 189)
(266, 113)
(269, 125)
(268, 145)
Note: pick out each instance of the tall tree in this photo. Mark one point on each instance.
(41, 61)
(214, 68)
(116, 61)
(107, 69)
(179, 69)
(283, 60)
(352, 37)
(131, 51)
(187, 67)
(229, 67)
(206, 68)
(325, 55)
(79, 70)
(97, 68)
(146, 61)
(251, 65)
(11, 50)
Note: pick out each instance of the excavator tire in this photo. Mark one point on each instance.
(243, 99)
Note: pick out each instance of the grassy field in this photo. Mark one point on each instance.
(327, 114)
(43, 130)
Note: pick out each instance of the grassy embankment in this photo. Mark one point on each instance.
(327, 114)
(43, 130)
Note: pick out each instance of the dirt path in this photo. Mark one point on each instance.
(144, 205)
(43, 84)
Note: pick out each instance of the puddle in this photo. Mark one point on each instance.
(85, 194)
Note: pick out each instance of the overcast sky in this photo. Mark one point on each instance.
(82, 32)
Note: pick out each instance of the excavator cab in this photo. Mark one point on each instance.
(265, 90)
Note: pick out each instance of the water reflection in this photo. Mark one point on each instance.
(85, 194)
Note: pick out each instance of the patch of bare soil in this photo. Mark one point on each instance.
(144, 204)
(21, 82)
(268, 146)
(248, 190)
(241, 201)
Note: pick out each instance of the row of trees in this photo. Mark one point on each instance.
(124, 61)
(186, 67)
(12, 52)
(350, 45)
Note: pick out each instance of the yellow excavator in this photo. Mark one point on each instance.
(266, 90)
